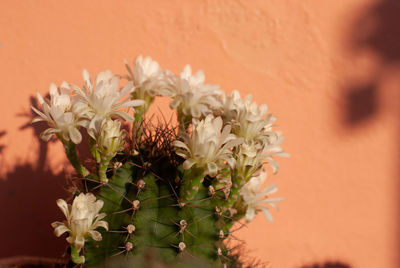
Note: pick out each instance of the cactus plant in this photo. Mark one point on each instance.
(176, 190)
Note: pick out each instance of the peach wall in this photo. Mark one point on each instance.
(328, 69)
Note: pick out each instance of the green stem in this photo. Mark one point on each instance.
(184, 122)
(103, 165)
(140, 111)
(237, 183)
(191, 183)
(70, 151)
(93, 149)
(75, 257)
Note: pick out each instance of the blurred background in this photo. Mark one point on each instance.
(329, 70)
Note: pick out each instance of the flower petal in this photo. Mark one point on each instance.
(267, 214)
(212, 169)
(75, 135)
(188, 163)
(59, 230)
(103, 224)
(250, 212)
(180, 145)
(95, 235)
(86, 79)
(64, 207)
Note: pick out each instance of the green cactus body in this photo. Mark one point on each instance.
(160, 221)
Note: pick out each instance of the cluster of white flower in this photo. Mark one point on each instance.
(252, 142)
(90, 107)
(261, 144)
(230, 138)
(252, 123)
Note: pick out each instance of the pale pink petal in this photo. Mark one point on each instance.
(95, 235)
(53, 89)
(124, 116)
(37, 119)
(75, 135)
(250, 212)
(61, 229)
(180, 144)
(267, 214)
(63, 206)
(188, 163)
(212, 169)
(86, 79)
(103, 224)
(38, 112)
(40, 98)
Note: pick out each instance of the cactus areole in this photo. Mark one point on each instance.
(179, 189)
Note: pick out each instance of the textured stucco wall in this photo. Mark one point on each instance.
(327, 69)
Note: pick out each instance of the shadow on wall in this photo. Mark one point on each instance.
(28, 196)
(2, 147)
(2, 133)
(328, 265)
(377, 31)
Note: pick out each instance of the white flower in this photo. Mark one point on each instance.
(82, 219)
(231, 105)
(247, 118)
(254, 199)
(252, 123)
(110, 138)
(249, 159)
(148, 78)
(191, 97)
(272, 147)
(59, 112)
(208, 147)
(103, 101)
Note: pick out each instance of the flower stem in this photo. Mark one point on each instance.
(191, 183)
(137, 126)
(103, 165)
(237, 183)
(70, 151)
(75, 257)
(184, 122)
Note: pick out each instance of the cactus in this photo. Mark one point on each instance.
(175, 190)
(144, 193)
